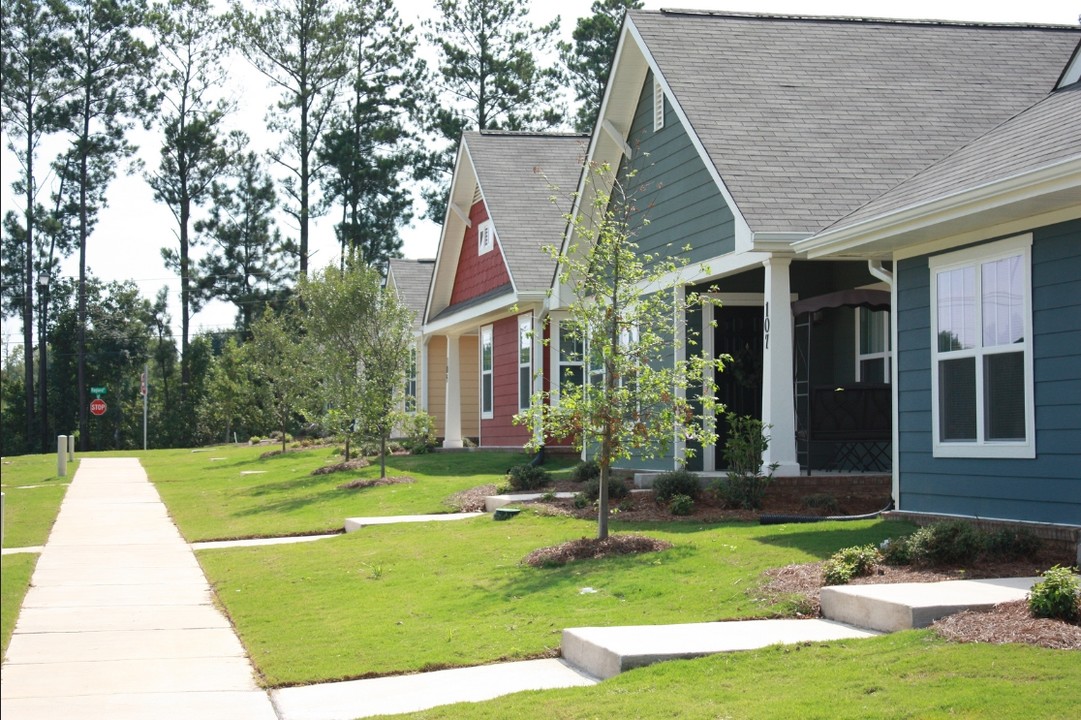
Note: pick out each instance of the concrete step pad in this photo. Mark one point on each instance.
(607, 651)
(902, 606)
(411, 693)
(354, 524)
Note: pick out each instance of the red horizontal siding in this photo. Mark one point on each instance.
(501, 431)
(478, 274)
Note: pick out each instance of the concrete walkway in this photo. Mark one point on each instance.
(119, 620)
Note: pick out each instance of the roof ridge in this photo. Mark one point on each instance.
(930, 22)
(529, 133)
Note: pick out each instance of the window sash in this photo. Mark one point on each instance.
(487, 365)
(525, 361)
(982, 386)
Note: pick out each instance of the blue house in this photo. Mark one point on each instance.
(986, 249)
(756, 142)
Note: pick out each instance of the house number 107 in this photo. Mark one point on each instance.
(765, 325)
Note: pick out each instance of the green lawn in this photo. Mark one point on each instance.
(16, 571)
(210, 499)
(32, 496)
(910, 674)
(403, 598)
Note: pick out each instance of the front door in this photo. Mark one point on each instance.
(738, 334)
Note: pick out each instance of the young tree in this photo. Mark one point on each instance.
(368, 148)
(361, 334)
(282, 361)
(303, 47)
(627, 312)
(489, 76)
(31, 44)
(108, 70)
(248, 263)
(589, 58)
(192, 47)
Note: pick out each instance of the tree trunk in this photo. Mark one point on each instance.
(84, 412)
(28, 298)
(382, 457)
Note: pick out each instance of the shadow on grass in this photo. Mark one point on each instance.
(824, 539)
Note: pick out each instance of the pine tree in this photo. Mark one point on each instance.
(589, 58)
(489, 77)
(192, 47)
(302, 47)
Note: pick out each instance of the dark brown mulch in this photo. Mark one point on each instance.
(375, 482)
(354, 464)
(592, 548)
(471, 500)
(1009, 623)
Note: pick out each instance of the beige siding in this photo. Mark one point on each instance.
(437, 382)
(470, 377)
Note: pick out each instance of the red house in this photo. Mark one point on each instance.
(482, 345)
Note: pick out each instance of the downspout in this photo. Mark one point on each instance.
(875, 268)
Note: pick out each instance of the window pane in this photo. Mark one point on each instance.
(571, 375)
(1002, 302)
(957, 399)
(957, 309)
(524, 389)
(570, 345)
(873, 331)
(873, 371)
(486, 352)
(486, 393)
(1004, 396)
(525, 342)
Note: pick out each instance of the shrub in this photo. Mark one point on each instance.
(527, 477)
(585, 471)
(667, 485)
(945, 543)
(1011, 544)
(896, 551)
(1057, 596)
(681, 504)
(419, 429)
(850, 562)
(746, 484)
(581, 501)
(617, 489)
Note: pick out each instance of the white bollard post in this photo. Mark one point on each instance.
(61, 455)
(71, 447)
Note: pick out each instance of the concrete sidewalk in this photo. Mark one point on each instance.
(119, 620)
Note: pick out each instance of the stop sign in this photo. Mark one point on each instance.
(98, 407)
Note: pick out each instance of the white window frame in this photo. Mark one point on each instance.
(525, 360)
(658, 104)
(560, 364)
(976, 257)
(485, 238)
(886, 356)
(487, 374)
(410, 404)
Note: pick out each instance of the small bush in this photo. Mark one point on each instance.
(617, 489)
(625, 505)
(946, 543)
(527, 477)
(1011, 544)
(586, 471)
(419, 429)
(850, 562)
(581, 501)
(896, 551)
(676, 482)
(681, 504)
(1057, 596)
(824, 502)
(746, 484)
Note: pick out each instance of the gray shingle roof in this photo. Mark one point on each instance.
(1046, 133)
(808, 119)
(411, 279)
(514, 171)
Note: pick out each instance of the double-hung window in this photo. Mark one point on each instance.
(411, 382)
(981, 351)
(525, 361)
(571, 353)
(486, 360)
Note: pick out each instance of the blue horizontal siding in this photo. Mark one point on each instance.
(1046, 488)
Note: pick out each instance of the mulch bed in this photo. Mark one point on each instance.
(592, 548)
(1009, 623)
(354, 464)
(471, 500)
(376, 482)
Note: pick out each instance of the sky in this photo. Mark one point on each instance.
(133, 228)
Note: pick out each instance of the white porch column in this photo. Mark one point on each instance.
(422, 375)
(452, 430)
(778, 399)
(539, 367)
(679, 355)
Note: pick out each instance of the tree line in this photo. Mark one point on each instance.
(360, 119)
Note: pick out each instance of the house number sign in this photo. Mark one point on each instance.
(765, 326)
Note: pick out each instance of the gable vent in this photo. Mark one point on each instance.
(658, 105)
(476, 194)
